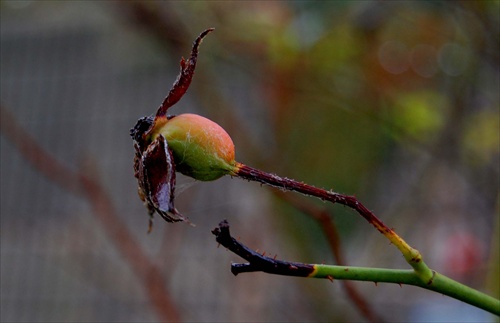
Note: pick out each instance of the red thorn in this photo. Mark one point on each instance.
(275, 257)
(330, 278)
(400, 285)
(263, 254)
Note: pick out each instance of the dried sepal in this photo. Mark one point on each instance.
(155, 172)
(142, 126)
(184, 78)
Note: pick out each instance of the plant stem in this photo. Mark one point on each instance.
(421, 275)
(440, 283)
(412, 256)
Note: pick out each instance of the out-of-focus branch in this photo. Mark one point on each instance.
(38, 157)
(324, 219)
(85, 183)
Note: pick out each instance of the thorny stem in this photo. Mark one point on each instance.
(411, 255)
(440, 284)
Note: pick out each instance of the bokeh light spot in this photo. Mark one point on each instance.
(393, 56)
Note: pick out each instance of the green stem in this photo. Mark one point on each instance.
(439, 283)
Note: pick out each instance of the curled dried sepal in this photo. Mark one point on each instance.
(184, 78)
(145, 125)
(155, 172)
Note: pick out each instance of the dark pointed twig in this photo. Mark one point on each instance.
(257, 262)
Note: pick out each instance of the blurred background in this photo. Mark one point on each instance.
(394, 102)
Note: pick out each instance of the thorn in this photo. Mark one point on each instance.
(330, 278)
(376, 284)
(263, 254)
(274, 258)
(150, 225)
(400, 285)
(218, 245)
